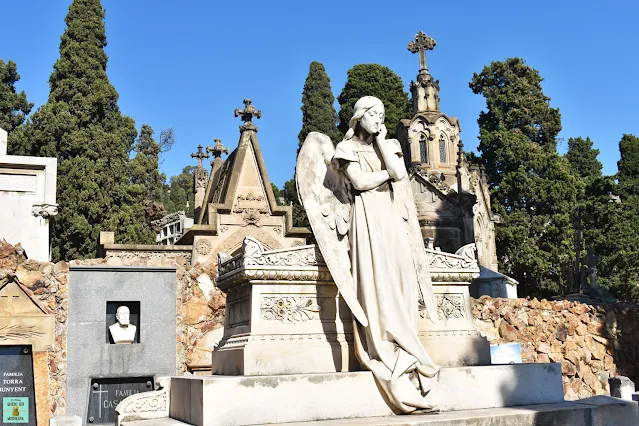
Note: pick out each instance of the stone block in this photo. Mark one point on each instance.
(65, 420)
(609, 411)
(219, 400)
(621, 387)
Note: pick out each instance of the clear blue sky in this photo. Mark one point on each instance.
(189, 64)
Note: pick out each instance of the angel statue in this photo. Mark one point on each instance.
(360, 205)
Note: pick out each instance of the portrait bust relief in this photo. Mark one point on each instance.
(123, 332)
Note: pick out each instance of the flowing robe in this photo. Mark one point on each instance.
(386, 285)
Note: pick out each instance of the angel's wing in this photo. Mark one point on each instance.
(323, 190)
(404, 194)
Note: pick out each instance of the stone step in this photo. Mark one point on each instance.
(596, 411)
(609, 412)
(248, 400)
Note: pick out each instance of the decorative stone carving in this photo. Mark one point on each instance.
(464, 258)
(44, 211)
(203, 247)
(122, 332)
(289, 308)
(146, 405)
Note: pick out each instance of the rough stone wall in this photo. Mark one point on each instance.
(592, 343)
(46, 283)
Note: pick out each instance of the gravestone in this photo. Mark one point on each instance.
(94, 359)
(17, 391)
(105, 394)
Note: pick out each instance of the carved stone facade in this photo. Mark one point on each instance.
(238, 200)
(453, 199)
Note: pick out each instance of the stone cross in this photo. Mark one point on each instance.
(421, 44)
(218, 149)
(247, 114)
(200, 156)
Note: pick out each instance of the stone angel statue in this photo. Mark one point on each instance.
(360, 205)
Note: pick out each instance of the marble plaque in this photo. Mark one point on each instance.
(17, 390)
(106, 393)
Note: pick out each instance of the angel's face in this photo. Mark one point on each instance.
(373, 119)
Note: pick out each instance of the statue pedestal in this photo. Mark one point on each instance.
(453, 341)
(284, 315)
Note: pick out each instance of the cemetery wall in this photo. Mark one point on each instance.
(592, 342)
(200, 309)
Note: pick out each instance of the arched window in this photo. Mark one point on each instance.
(442, 148)
(423, 148)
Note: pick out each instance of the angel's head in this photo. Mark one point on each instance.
(369, 113)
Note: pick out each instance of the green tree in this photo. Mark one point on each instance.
(381, 82)
(532, 186)
(289, 194)
(582, 158)
(145, 172)
(628, 166)
(276, 194)
(14, 106)
(82, 125)
(318, 112)
(179, 194)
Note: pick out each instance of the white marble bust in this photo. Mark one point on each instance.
(122, 332)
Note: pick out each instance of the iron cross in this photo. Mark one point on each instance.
(421, 44)
(248, 112)
(218, 149)
(200, 156)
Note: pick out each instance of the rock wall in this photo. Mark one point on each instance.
(592, 342)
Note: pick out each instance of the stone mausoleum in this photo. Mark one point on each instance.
(452, 198)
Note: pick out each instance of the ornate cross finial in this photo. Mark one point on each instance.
(421, 44)
(247, 115)
(218, 149)
(200, 156)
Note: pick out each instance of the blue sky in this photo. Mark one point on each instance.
(189, 64)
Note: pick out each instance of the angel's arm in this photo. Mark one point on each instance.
(394, 163)
(363, 181)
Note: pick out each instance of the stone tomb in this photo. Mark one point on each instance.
(17, 388)
(284, 314)
(100, 372)
(27, 200)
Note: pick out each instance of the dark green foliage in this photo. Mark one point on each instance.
(318, 112)
(532, 186)
(289, 194)
(381, 82)
(13, 106)
(145, 173)
(180, 195)
(276, 194)
(583, 158)
(628, 166)
(81, 124)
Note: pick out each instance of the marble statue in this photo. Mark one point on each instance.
(360, 205)
(122, 331)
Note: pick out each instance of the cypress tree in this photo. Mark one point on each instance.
(532, 185)
(145, 172)
(381, 82)
(318, 112)
(82, 125)
(628, 165)
(13, 106)
(179, 194)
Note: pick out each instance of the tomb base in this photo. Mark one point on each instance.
(242, 400)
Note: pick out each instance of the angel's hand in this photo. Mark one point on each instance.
(381, 136)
